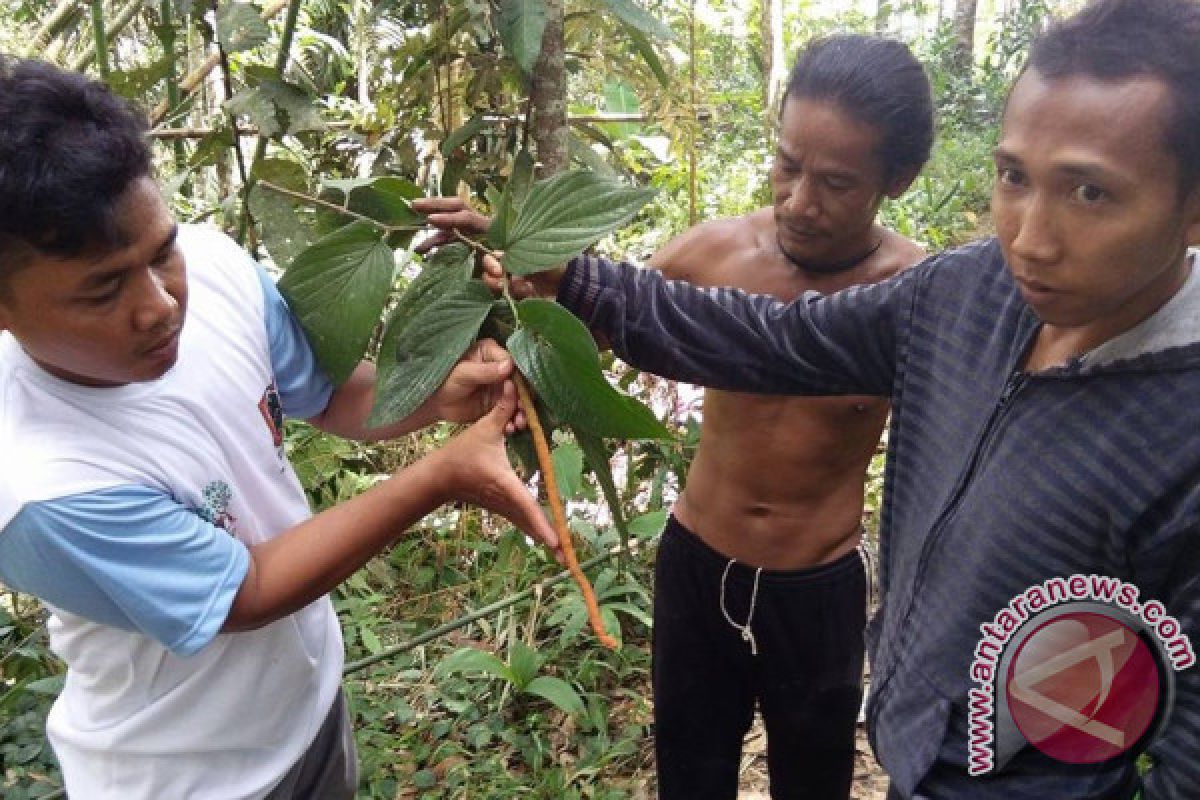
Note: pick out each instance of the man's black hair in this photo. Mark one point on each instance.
(877, 81)
(1116, 40)
(69, 148)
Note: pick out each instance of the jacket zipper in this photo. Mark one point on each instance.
(1015, 382)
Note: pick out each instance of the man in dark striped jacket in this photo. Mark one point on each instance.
(1041, 526)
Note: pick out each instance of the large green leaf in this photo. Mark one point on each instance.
(458, 138)
(629, 12)
(447, 270)
(558, 692)
(564, 214)
(277, 108)
(596, 456)
(468, 659)
(568, 468)
(521, 25)
(427, 350)
(556, 353)
(512, 200)
(386, 199)
(523, 664)
(283, 230)
(240, 27)
(136, 81)
(285, 222)
(337, 288)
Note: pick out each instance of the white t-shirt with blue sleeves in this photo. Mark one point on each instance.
(87, 553)
(129, 511)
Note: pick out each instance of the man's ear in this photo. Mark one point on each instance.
(900, 183)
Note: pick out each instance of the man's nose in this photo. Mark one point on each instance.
(156, 304)
(802, 198)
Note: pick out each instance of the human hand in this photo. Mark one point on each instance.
(477, 471)
(540, 284)
(474, 385)
(448, 214)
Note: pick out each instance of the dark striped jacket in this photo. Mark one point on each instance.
(996, 480)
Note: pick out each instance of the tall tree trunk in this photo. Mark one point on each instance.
(964, 32)
(774, 63)
(548, 99)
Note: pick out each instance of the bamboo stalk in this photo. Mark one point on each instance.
(166, 37)
(53, 25)
(99, 39)
(118, 24)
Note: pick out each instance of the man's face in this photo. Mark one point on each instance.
(106, 318)
(1086, 202)
(828, 182)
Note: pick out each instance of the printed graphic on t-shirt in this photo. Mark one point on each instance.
(272, 412)
(217, 497)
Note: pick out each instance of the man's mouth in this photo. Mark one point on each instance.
(164, 344)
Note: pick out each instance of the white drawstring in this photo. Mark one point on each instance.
(744, 630)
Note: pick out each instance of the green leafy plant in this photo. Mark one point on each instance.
(520, 673)
(340, 285)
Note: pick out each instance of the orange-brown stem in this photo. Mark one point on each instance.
(546, 464)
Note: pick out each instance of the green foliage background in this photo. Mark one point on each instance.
(431, 96)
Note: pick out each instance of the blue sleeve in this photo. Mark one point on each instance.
(127, 557)
(303, 387)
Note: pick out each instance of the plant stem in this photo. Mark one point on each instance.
(334, 207)
(546, 463)
(463, 621)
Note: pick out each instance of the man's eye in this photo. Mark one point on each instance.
(1010, 176)
(104, 297)
(1088, 194)
(838, 184)
(101, 299)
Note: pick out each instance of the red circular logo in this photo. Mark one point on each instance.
(1083, 688)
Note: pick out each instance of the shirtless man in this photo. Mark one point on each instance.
(760, 593)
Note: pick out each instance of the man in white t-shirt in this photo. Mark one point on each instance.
(145, 369)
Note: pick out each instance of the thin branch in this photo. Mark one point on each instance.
(227, 79)
(474, 245)
(317, 202)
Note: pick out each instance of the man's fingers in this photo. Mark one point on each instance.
(436, 240)
(533, 521)
(473, 375)
(506, 404)
(490, 350)
(434, 205)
